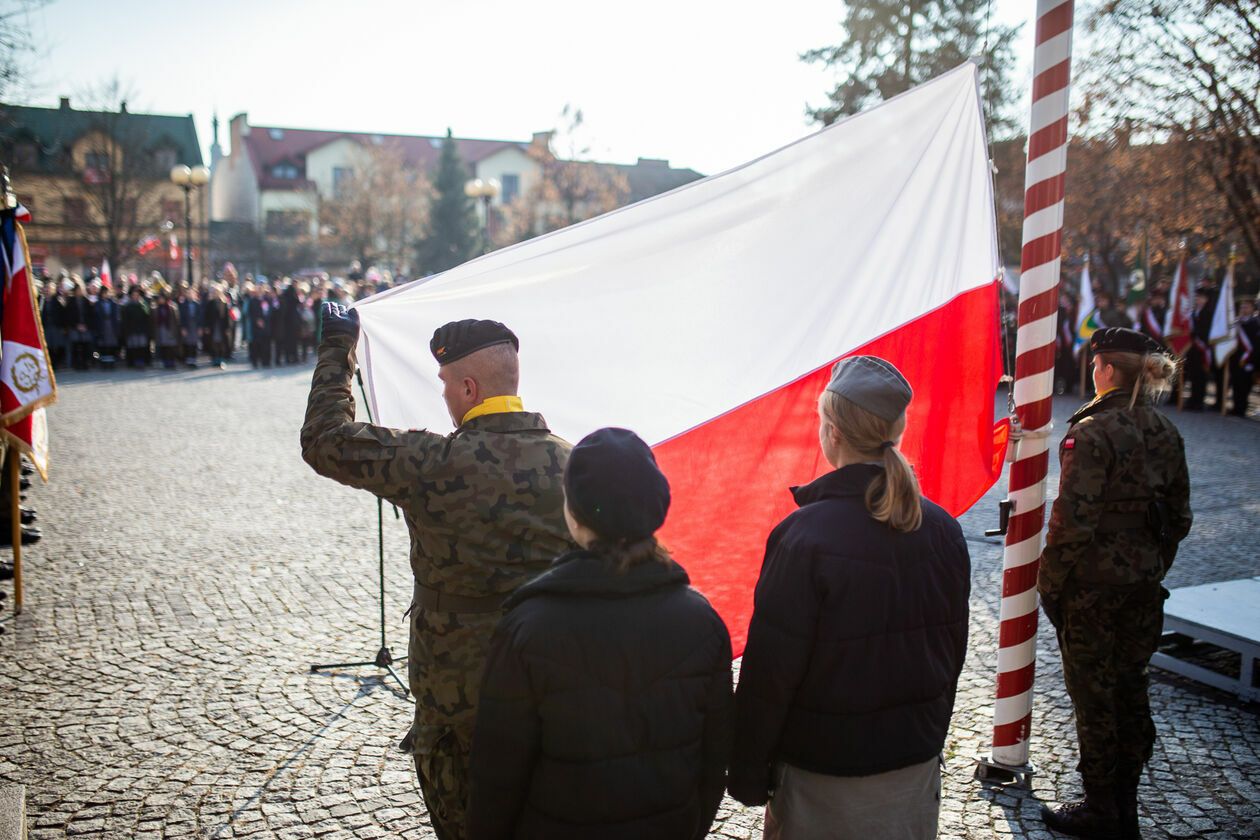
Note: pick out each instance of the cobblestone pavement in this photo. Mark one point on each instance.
(193, 568)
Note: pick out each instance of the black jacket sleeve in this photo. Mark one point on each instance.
(780, 640)
(505, 742)
(718, 729)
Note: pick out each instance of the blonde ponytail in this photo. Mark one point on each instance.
(893, 497)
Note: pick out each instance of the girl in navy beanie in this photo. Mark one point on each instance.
(606, 703)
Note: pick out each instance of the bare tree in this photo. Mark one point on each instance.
(1187, 75)
(566, 190)
(118, 169)
(376, 211)
(15, 40)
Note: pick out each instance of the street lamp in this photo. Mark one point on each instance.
(486, 190)
(189, 178)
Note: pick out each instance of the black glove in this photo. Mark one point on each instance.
(1050, 606)
(337, 320)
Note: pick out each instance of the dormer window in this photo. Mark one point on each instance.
(284, 171)
(164, 159)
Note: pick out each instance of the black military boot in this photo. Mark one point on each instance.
(1096, 818)
(1126, 808)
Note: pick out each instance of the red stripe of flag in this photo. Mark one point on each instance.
(720, 537)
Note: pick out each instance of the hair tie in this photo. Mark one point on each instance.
(885, 445)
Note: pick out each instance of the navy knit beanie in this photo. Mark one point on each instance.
(614, 486)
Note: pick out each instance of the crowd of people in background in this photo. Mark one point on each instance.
(147, 321)
(1149, 317)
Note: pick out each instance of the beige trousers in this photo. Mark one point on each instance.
(898, 805)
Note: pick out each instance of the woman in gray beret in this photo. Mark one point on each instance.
(858, 634)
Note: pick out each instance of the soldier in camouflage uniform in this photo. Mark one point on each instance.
(1123, 506)
(484, 507)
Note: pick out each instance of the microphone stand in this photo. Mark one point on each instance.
(384, 659)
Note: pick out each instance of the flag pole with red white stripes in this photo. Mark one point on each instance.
(1034, 387)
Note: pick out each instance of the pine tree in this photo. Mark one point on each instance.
(893, 45)
(452, 234)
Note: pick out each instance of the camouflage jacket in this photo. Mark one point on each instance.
(1116, 462)
(484, 504)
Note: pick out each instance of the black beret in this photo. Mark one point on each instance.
(459, 338)
(614, 486)
(1121, 340)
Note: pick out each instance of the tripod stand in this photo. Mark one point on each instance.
(384, 659)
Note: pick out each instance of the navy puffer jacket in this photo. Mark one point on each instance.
(605, 710)
(856, 641)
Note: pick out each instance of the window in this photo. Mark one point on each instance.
(74, 211)
(96, 167)
(286, 171)
(511, 184)
(25, 156)
(341, 180)
(127, 212)
(288, 223)
(275, 133)
(164, 159)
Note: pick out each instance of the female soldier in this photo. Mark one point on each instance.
(1123, 505)
(858, 634)
(606, 704)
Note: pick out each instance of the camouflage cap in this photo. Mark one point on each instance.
(1122, 340)
(872, 384)
(459, 338)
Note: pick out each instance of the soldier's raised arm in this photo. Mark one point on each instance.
(358, 454)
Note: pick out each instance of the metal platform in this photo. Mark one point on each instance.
(1225, 615)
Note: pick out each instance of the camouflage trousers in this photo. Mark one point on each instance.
(1106, 639)
(446, 656)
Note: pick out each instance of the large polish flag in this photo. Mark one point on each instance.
(707, 320)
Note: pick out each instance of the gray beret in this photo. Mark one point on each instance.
(873, 384)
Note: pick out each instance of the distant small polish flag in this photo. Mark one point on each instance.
(174, 254)
(107, 278)
(707, 320)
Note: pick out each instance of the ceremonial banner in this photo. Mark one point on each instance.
(1222, 337)
(26, 377)
(1177, 321)
(1087, 322)
(707, 320)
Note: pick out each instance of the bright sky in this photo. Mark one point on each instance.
(706, 84)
